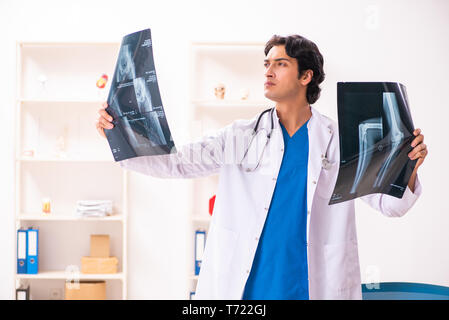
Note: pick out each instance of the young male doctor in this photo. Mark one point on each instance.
(273, 234)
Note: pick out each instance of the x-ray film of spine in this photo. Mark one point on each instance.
(375, 134)
(134, 102)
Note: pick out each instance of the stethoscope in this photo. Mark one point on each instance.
(254, 134)
(324, 162)
(270, 110)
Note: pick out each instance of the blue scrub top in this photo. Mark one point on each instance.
(279, 270)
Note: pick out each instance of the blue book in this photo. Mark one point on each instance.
(21, 251)
(32, 251)
(200, 242)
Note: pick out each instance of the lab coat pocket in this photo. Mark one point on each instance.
(342, 266)
(222, 247)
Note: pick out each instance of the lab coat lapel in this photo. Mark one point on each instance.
(320, 133)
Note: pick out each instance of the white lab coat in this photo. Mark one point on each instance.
(243, 199)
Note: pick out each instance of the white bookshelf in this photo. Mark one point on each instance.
(55, 119)
(67, 217)
(63, 275)
(239, 66)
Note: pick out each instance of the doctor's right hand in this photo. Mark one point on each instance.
(104, 121)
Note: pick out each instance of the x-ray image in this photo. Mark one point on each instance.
(143, 95)
(125, 64)
(140, 124)
(375, 132)
(370, 132)
(145, 105)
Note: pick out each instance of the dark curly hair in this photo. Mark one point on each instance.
(308, 56)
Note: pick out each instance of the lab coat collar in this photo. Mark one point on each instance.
(316, 117)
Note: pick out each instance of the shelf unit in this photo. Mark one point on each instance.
(56, 108)
(62, 275)
(239, 66)
(62, 217)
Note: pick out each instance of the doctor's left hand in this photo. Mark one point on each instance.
(419, 148)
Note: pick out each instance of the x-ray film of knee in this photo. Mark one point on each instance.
(140, 124)
(375, 134)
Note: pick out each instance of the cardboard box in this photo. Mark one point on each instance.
(85, 290)
(99, 245)
(99, 265)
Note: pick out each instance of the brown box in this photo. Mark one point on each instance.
(99, 265)
(99, 245)
(85, 290)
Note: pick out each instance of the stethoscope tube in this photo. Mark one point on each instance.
(325, 162)
(271, 110)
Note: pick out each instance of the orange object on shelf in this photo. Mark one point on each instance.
(101, 83)
(46, 208)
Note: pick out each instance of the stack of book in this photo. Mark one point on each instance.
(94, 208)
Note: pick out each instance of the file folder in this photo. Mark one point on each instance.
(21, 251)
(200, 242)
(32, 251)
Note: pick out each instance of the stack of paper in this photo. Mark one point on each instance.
(94, 208)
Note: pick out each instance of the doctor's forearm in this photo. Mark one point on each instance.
(411, 182)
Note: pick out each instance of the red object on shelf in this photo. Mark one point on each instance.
(211, 205)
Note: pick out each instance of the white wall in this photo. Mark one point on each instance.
(402, 41)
